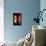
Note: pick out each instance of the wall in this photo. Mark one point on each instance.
(43, 6)
(28, 9)
(1, 20)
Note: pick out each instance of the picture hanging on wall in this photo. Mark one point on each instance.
(17, 18)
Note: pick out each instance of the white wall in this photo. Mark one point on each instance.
(1, 20)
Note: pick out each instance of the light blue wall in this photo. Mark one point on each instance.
(28, 9)
(43, 6)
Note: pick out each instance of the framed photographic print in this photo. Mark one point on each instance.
(17, 18)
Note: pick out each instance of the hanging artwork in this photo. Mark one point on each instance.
(17, 18)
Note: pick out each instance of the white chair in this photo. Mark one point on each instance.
(39, 35)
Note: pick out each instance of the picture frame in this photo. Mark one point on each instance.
(17, 18)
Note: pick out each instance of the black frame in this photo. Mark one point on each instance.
(18, 18)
